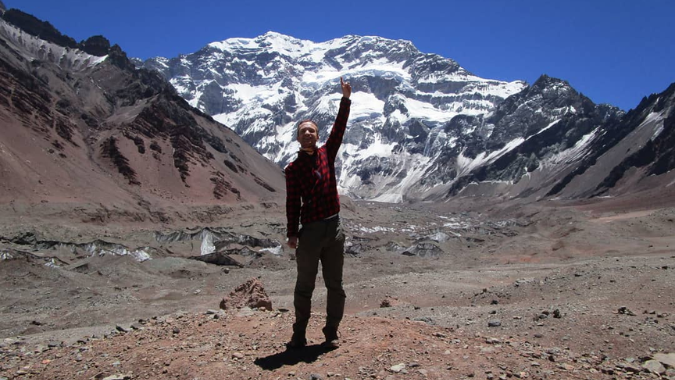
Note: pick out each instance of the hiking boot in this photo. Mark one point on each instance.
(332, 339)
(297, 341)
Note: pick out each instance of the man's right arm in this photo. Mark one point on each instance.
(292, 206)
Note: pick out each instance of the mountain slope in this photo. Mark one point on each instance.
(633, 153)
(93, 131)
(534, 136)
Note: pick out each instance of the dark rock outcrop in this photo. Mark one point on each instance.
(95, 45)
(218, 258)
(38, 28)
(110, 150)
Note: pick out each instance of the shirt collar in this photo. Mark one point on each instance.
(309, 151)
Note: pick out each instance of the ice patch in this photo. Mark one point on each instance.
(276, 251)
(207, 246)
(117, 250)
(52, 264)
(439, 237)
(371, 230)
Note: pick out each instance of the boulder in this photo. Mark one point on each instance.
(654, 366)
(666, 359)
(389, 301)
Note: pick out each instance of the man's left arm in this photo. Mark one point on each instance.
(337, 132)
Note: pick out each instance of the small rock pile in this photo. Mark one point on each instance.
(249, 294)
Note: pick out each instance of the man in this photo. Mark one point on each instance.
(313, 200)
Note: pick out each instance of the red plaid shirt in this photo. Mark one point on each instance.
(311, 178)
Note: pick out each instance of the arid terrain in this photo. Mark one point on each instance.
(536, 238)
(451, 291)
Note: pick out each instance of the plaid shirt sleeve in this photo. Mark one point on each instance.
(292, 201)
(335, 138)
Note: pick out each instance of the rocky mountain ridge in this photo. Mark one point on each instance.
(95, 45)
(95, 134)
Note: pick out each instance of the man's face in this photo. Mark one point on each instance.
(308, 135)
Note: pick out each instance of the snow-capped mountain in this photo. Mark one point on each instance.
(422, 127)
(78, 117)
(403, 100)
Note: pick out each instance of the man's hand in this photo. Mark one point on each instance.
(346, 88)
(293, 242)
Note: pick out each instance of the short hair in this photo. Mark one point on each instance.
(306, 121)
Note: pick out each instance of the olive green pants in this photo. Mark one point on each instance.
(320, 241)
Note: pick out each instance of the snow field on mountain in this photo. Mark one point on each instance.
(572, 154)
(416, 169)
(467, 164)
(366, 107)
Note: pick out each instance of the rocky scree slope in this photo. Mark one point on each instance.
(94, 131)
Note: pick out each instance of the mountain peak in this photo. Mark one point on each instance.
(545, 81)
(276, 35)
(270, 41)
(272, 36)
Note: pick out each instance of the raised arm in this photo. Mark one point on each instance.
(335, 138)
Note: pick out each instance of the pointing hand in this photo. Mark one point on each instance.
(346, 88)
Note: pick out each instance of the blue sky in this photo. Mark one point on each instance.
(613, 51)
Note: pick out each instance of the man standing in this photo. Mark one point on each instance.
(313, 200)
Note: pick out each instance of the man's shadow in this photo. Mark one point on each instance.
(307, 354)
